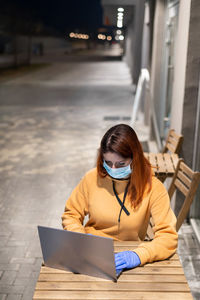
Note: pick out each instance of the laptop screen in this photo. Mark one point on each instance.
(78, 252)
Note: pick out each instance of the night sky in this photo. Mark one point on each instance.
(61, 14)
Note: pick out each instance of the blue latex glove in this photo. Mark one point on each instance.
(126, 260)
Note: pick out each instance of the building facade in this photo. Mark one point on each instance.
(163, 36)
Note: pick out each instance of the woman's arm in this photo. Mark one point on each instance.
(76, 208)
(165, 241)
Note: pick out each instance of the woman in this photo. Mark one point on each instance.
(119, 196)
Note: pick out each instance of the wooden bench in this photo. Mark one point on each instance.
(155, 281)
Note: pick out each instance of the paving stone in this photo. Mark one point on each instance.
(9, 252)
(4, 258)
(14, 243)
(191, 242)
(35, 275)
(24, 272)
(3, 240)
(28, 293)
(9, 267)
(3, 297)
(190, 258)
(5, 233)
(37, 265)
(8, 277)
(14, 297)
(196, 295)
(22, 281)
(17, 260)
(11, 289)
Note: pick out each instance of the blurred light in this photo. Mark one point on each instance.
(119, 23)
(79, 36)
(120, 15)
(109, 38)
(101, 36)
(121, 37)
(117, 38)
(120, 9)
(118, 31)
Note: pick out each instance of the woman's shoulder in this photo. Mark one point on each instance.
(91, 178)
(91, 174)
(157, 184)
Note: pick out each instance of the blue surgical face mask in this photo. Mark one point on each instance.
(118, 173)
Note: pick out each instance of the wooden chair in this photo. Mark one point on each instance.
(186, 181)
(173, 142)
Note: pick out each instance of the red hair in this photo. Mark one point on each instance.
(122, 139)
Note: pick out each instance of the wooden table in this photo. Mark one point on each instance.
(164, 164)
(159, 280)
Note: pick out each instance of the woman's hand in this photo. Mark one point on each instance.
(126, 260)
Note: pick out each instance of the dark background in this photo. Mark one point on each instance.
(60, 15)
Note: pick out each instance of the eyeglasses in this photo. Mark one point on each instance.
(116, 165)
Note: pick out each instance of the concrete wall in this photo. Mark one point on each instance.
(129, 44)
(191, 82)
(158, 57)
(134, 41)
(137, 40)
(190, 104)
(180, 65)
(145, 60)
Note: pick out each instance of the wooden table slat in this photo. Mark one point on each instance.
(160, 264)
(124, 277)
(154, 270)
(168, 163)
(113, 286)
(153, 162)
(102, 295)
(161, 163)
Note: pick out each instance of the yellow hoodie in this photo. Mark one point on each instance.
(94, 197)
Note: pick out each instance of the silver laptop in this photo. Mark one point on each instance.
(78, 252)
